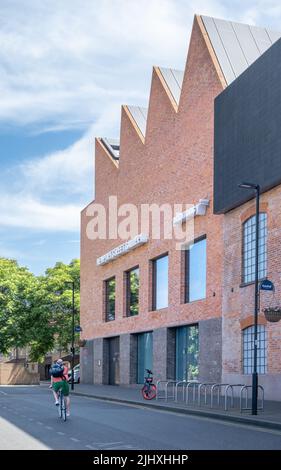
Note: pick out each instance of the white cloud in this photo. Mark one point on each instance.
(70, 172)
(27, 212)
(70, 64)
(64, 61)
(39, 243)
(6, 252)
(62, 174)
(51, 190)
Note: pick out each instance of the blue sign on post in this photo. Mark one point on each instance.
(77, 328)
(267, 285)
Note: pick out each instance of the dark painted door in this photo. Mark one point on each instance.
(114, 366)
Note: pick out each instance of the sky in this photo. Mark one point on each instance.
(66, 67)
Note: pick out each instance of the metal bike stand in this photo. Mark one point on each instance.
(230, 387)
(183, 383)
(170, 382)
(246, 388)
(158, 397)
(217, 386)
(262, 398)
(205, 385)
(194, 385)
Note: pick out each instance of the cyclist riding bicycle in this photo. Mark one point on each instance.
(59, 381)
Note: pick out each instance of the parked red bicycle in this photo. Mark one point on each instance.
(149, 389)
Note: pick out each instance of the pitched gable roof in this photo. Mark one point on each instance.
(139, 115)
(173, 79)
(237, 45)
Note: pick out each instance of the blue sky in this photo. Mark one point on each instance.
(65, 69)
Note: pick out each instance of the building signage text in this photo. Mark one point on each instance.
(122, 249)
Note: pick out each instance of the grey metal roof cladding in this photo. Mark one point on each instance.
(139, 115)
(237, 45)
(174, 79)
(113, 146)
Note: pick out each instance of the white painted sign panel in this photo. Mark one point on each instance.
(122, 249)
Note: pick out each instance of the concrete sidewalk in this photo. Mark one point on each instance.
(269, 418)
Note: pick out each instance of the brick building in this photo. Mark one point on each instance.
(154, 305)
(250, 139)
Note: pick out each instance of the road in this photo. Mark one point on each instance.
(29, 420)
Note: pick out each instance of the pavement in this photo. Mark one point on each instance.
(269, 418)
(29, 420)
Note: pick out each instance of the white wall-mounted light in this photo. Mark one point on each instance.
(198, 209)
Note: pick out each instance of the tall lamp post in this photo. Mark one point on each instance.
(256, 188)
(72, 335)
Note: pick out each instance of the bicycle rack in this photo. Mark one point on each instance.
(158, 390)
(194, 385)
(171, 383)
(217, 386)
(170, 389)
(230, 387)
(183, 383)
(205, 385)
(246, 388)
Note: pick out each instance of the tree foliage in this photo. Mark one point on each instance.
(37, 311)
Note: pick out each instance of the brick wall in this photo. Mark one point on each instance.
(18, 374)
(238, 302)
(174, 165)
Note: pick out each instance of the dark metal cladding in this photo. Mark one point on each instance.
(247, 144)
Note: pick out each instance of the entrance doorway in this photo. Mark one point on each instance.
(145, 353)
(187, 352)
(114, 364)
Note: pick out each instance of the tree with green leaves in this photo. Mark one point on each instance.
(37, 311)
(16, 287)
(53, 309)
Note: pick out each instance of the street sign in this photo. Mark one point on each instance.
(267, 285)
(77, 328)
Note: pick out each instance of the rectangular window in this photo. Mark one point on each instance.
(248, 350)
(110, 299)
(160, 282)
(132, 292)
(196, 270)
(145, 349)
(249, 248)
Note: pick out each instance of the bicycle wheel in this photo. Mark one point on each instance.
(60, 404)
(149, 393)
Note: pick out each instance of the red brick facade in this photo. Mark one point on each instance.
(173, 165)
(238, 300)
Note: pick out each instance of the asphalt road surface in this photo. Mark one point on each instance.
(29, 420)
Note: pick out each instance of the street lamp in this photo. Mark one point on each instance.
(256, 188)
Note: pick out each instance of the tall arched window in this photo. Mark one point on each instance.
(248, 350)
(249, 247)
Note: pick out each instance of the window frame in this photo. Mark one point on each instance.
(128, 291)
(106, 302)
(262, 356)
(187, 270)
(244, 282)
(154, 279)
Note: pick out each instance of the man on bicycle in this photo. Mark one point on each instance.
(59, 381)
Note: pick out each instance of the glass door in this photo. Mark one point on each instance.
(145, 353)
(187, 352)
